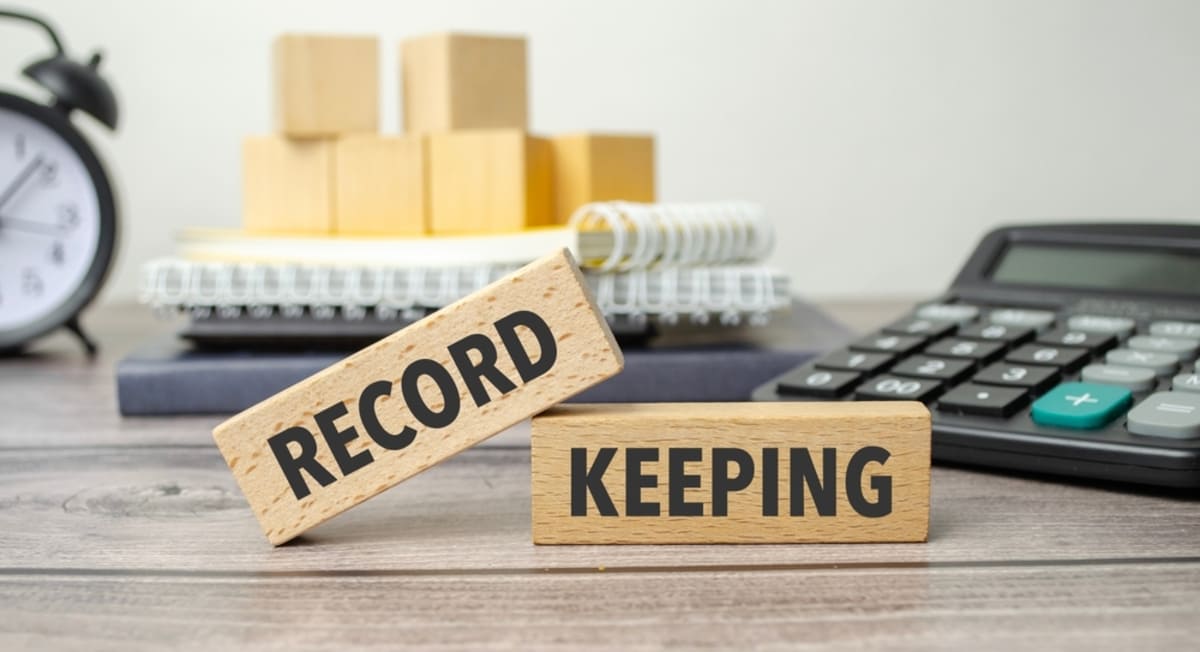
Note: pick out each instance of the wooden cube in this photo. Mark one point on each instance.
(287, 185)
(326, 85)
(488, 181)
(381, 185)
(731, 473)
(463, 81)
(419, 396)
(592, 167)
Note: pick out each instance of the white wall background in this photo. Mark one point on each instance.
(884, 137)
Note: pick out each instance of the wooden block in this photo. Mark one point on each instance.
(419, 396)
(592, 167)
(287, 185)
(489, 181)
(381, 185)
(326, 85)
(731, 473)
(463, 81)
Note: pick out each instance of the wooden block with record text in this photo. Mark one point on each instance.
(381, 185)
(326, 85)
(409, 401)
(592, 167)
(489, 181)
(731, 473)
(463, 81)
(287, 185)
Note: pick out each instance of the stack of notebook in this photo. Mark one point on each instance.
(649, 265)
(700, 318)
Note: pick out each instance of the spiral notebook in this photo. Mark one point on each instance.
(647, 264)
(606, 236)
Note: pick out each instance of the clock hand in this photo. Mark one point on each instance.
(29, 226)
(20, 180)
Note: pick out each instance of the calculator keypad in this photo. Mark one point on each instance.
(1078, 339)
(969, 398)
(1033, 377)
(944, 369)
(895, 388)
(1080, 373)
(954, 347)
(1057, 356)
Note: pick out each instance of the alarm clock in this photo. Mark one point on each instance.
(58, 217)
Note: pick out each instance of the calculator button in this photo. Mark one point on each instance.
(892, 388)
(1081, 406)
(1181, 346)
(1119, 326)
(918, 326)
(807, 381)
(1078, 339)
(1059, 356)
(1019, 317)
(996, 332)
(1163, 364)
(855, 361)
(945, 369)
(1137, 379)
(885, 343)
(1175, 329)
(960, 348)
(986, 401)
(1166, 414)
(954, 312)
(1031, 376)
(1186, 383)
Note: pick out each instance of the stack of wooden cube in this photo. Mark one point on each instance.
(466, 162)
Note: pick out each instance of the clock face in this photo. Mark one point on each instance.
(50, 220)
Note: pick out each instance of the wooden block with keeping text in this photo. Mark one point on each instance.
(731, 473)
(413, 399)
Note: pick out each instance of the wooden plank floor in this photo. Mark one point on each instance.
(130, 533)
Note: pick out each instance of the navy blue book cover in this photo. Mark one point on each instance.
(715, 364)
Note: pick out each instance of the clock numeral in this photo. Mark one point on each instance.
(57, 253)
(49, 174)
(19, 145)
(68, 216)
(31, 283)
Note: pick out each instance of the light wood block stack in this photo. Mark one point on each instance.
(466, 162)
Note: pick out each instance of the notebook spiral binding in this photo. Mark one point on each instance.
(661, 235)
(731, 294)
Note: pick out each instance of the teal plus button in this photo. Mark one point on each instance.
(1081, 405)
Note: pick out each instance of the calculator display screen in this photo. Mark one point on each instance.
(1146, 270)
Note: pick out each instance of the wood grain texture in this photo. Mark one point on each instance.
(742, 498)
(167, 509)
(464, 81)
(591, 167)
(1091, 607)
(489, 181)
(325, 85)
(131, 534)
(381, 185)
(430, 406)
(287, 185)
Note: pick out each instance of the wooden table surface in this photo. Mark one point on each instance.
(130, 533)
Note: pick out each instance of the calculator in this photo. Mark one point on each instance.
(1067, 349)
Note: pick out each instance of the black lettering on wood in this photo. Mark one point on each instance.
(882, 484)
(473, 373)
(305, 459)
(723, 483)
(507, 328)
(635, 481)
(367, 414)
(586, 481)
